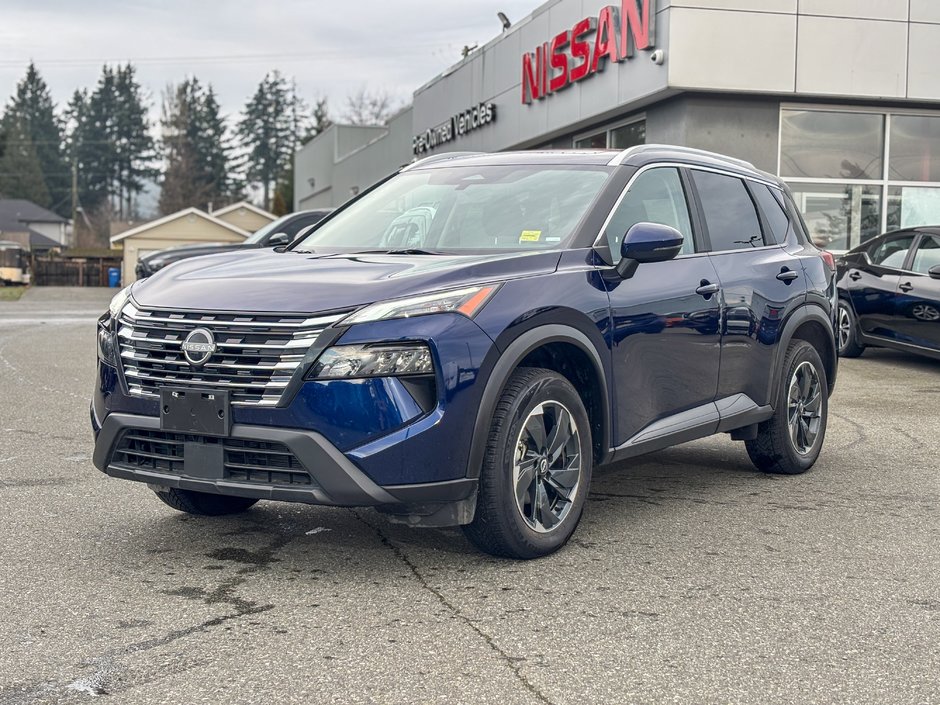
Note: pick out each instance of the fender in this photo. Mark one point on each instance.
(507, 363)
(807, 312)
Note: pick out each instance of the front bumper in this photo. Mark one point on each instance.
(203, 464)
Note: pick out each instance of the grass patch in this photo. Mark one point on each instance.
(11, 293)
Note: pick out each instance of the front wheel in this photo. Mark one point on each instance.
(789, 442)
(203, 503)
(848, 332)
(536, 468)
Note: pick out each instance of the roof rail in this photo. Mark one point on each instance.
(438, 158)
(638, 149)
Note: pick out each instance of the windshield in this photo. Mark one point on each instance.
(466, 208)
(270, 228)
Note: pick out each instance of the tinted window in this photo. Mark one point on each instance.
(774, 213)
(891, 252)
(729, 212)
(655, 197)
(927, 255)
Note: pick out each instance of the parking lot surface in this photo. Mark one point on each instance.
(692, 578)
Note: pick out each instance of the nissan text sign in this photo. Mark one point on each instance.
(585, 48)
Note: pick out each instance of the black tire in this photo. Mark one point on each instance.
(539, 397)
(202, 503)
(776, 449)
(847, 331)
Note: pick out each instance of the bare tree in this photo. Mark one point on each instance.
(367, 107)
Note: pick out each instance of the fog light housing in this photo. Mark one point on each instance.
(373, 360)
(107, 351)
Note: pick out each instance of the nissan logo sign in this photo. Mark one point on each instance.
(198, 347)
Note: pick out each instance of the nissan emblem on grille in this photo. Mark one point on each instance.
(253, 355)
(198, 346)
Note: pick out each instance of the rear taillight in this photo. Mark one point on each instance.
(828, 258)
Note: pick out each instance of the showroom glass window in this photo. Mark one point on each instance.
(857, 173)
(623, 136)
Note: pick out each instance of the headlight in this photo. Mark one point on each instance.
(117, 303)
(466, 301)
(374, 360)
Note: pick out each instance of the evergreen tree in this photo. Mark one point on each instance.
(320, 119)
(109, 141)
(20, 171)
(32, 110)
(270, 130)
(133, 145)
(196, 150)
(89, 150)
(214, 150)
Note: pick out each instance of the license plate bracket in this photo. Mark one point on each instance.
(197, 411)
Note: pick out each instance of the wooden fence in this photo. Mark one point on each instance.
(56, 271)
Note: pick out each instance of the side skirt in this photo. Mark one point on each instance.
(721, 416)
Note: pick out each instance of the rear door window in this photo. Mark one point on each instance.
(927, 255)
(891, 252)
(774, 213)
(730, 215)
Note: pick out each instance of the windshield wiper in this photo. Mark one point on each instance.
(411, 251)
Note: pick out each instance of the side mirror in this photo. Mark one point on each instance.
(647, 242)
(278, 239)
(934, 272)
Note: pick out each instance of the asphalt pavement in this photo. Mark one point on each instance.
(692, 578)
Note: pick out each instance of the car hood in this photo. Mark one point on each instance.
(290, 282)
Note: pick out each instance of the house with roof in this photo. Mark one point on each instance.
(245, 216)
(190, 226)
(32, 226)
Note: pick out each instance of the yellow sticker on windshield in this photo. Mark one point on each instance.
(530, 236)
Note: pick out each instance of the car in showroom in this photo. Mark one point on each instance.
(464, 342)
(889, 293)
(277, 233)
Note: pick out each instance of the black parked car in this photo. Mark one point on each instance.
(282, 231)
(889, 293)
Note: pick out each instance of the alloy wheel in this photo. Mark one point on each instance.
(804, 407)
(547, 466)
(925, 312)
(845, 327)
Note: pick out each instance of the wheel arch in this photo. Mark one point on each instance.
(812, 324)
(565, 350)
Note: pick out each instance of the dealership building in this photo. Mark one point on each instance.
(841, 98)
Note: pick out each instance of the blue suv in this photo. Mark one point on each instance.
(464, 342)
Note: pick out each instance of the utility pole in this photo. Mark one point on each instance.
(74, 201)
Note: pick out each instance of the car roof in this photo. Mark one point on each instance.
(638, 156)
(930, 229)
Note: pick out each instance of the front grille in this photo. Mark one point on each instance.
(255, 357)
(244, 460)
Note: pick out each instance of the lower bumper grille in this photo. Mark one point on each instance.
(262, 462)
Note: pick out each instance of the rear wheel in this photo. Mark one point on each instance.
(202, 503)
(847, 332)
(536, 468)
(789, 441)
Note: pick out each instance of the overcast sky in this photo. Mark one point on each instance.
(332, 48)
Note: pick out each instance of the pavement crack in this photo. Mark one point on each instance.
(513, 662)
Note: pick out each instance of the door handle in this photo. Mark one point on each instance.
(906, 286)
(706, 289)
(787, 275)
(854, 276)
